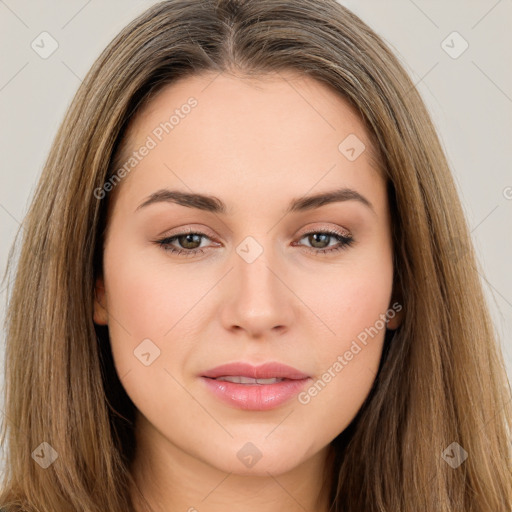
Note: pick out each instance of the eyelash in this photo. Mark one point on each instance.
(345, 242)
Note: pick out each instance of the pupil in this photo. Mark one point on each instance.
(315, 237)
(188, 239)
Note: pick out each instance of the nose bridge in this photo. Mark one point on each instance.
(259, 300)
(253, 263)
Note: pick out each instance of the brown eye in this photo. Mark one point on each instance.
(187, 244)
(320, 240)
(189, 241)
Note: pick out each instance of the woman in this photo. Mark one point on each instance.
(188, 333)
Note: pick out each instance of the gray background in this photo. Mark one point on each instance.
(469, 98)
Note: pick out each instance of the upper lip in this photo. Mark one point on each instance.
(264, 371)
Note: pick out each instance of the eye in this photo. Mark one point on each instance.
(319, 239)
(190, 242)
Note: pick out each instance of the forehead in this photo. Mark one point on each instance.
(282, 128)
(268, 99)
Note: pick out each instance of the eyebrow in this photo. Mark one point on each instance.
(215, 205)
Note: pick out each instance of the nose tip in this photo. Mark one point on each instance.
(259, 301)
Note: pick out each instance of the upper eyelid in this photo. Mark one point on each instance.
(204, 231)
(341, 231)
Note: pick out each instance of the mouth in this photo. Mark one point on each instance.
(256, 388)
(248, 380)
(249, 373)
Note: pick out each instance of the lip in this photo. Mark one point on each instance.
(264, 371)
(255, 397)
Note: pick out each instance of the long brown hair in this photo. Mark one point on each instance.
(442, 378)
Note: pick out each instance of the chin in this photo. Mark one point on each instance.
(258, 459)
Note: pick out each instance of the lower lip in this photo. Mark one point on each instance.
(255, 397)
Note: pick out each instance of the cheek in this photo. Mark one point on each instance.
(142, 306)
(350, 297)
(147, 305)
(146, 297)
(348, 355)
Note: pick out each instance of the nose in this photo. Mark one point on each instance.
(259, 301)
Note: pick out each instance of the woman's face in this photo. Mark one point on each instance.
(263, 274)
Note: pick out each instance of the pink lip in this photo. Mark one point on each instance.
(256, 397)
(264, 371)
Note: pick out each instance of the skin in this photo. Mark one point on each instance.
(256, 144)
